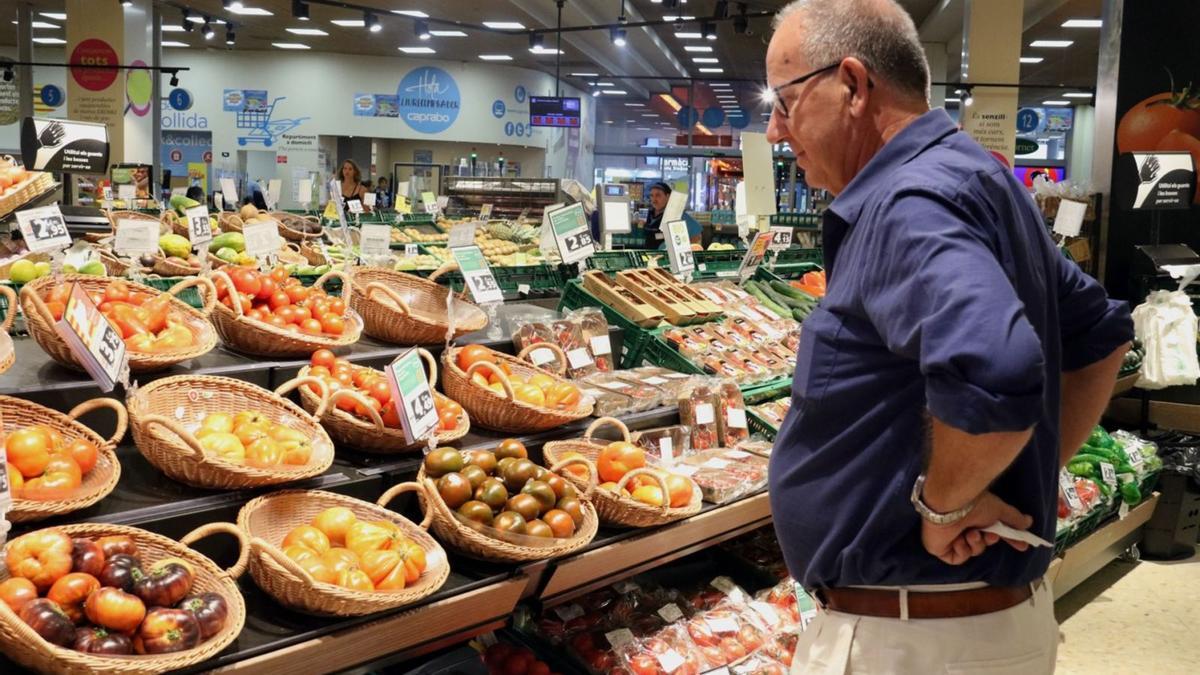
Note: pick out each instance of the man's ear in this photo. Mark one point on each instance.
(855, 77)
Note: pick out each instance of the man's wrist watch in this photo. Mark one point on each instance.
(933, 516)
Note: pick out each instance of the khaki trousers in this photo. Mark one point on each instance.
(1021, 640)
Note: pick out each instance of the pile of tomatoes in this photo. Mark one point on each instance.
(338, 548)
(338, 374)
(252, 439)
(282, 301)
(147, 323)
(95, 596)
(505, 659)
(43, 466)
(539, 389)
(619, 458)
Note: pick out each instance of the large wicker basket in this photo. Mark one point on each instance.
(290, 227)
(477, 544)
(268, 519)
(372, 436)
(259, 338)
(115, 217)
(8, 356)
(41, 322)
(500, 411)
(36, 183)
(613, 508)
(171, 267)
(229, 222)
(408, 310)
(160, 414)
(98, 483)
(23, 645)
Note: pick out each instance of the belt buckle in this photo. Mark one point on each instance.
(818, 596)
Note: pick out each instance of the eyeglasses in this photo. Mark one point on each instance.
(777, 91)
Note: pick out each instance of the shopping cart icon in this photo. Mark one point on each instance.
(262, 128)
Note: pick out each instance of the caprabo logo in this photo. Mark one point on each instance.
(428, 100)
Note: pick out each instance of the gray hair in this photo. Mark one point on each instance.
(880, 33)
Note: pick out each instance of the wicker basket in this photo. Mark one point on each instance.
(500, 411)
(21, 644)
(405, 309)
(33, 186)
(613, 508)
(113, 266)
(169, 267)
(560, 357)
(7, 355)
(289, 226)
(262, 339)
(229, 222)
(313, 256)
(115, 217)
(268, 519)
(41, 323)
(476, 544)
(157, 418)
(100, 481)
(372, 436)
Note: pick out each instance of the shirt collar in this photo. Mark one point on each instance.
(923, 132)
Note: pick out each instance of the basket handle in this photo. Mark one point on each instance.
(11, 296)
(346, 284)
(559, 355)
(431, 363)
(582, 461)
(210, 529)
(34, 305)
(662, 484)
(391, 294)
(233, 292)
(445, 267)
(208, 291)
(508, 389)
(287, 387)
(110, 403)
(611, 421)
(362, 401)
(171, 425)
(261, 547)
(411, 486)
(291, 245)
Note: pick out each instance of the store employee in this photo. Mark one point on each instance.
(660, 193)
(957, 360)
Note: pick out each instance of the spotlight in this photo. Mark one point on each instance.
(187, 20)
(229, 36)
(537, 42)
(127, 3)
(421, 28)
(618, 36)
(8, 74)
(174, 78)
(207, 30)
(300, 10)
(372, 22)
(969, 100)
(709, 30)
(595, 93)
(233, 5)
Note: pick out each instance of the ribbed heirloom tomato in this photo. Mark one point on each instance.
(619, 458)
(41, 557)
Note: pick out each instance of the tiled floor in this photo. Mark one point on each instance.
(1133, 618)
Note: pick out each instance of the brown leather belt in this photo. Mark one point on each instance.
(923, 605)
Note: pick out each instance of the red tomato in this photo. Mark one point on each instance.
(297, 293)
(277, 321)
(245, 280)
(310, 327)
(447, 420)
(1149, 121)
(267, 288)
(324, 358)
(303, 313)
(337, 306)
(333, 324)
(279, 275)
(473, 353)
(380, 390)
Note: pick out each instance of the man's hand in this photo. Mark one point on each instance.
(957, 543)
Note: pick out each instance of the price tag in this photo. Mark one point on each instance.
(1067, 483)
(229, 192)
(723, 670)
(136, 237)
(485, 211)
(601, 345)
(92, 339)
(705, 414)
(442, 203)
(430, 201)
(541, 356)
(670, 612)
(736, 417)
(572, 234)
(781, 238)
(412, 396)
(375, 240)
(369, 199)
(685, 470)
(723, 584)
(654, 380)
(199, 225)
(807, 616)
(274, 188)
(568, 612)
(262, 239)
(618, 637)
(670, 660)
(579, 358)
(618, 385)
(523, 289)
(5, 489)
(716, 463)
(411, 251)
(462, 234)
(755, 254)
(477, 275)
(1134, 455)
(127, 193)
(1069, 219)
(722, 625)
(219, 201)
(107, 192)
(1109, 473)
(355, 206)
(676, 376)
(766, 611)
(44, 228)
(679, 247)
(666, 448)
(304, 188)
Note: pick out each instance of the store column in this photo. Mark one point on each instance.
(991, 54)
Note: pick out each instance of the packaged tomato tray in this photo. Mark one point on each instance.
(724, 474)
(727, 633)
(668, 652)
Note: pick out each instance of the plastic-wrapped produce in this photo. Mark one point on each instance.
(595, 333)
(723, 474)
(643, 396)
(666, 443)
(579, 358)
(732, 420)
(608, 402)
(528, 332)
(698, 411)
(668, 652)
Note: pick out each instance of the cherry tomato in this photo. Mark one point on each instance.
(380, 390)
(333, 324)
(303, 313)
(267, 288)
(297, 293)
(280, 275)
(310, 327)
(279, 299)
(324, 358)
(337, 306)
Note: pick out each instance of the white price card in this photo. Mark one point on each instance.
(411, 251)
(755, 254)
(5, 490)
(262, 239)
(369, 199)
(716, 463)
(229, 192)
(274, 188)
(654, 380)
(94, 341)
(541, 356)
(199, 226)
(723, 584)
(579, 358)
(736, 454)
(412, 395)
(304, 190)
(1067, 483)
(572, 233)
(355, 206)
(686, 470)
(1134, 455)
(666, 449)
(781, 238)
(722, 625)
(462, 234)
(766, 611)
(618, 637)
(477, 275)
(1109, 474)
(679, 247)
(375, 240)
(1068, 221)
(127, 193)
(670, 612)
(705, 414)
(601, 345)
(44, 228)
(442, 203)
(485, 211)
(670, 661)
(136, 237)
(736, 417)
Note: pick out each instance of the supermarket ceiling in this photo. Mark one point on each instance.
(663, 54)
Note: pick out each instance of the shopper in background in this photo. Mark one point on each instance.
(957, 359)
(383, 196)
(660, 194)
(195, 193)
(352, 185)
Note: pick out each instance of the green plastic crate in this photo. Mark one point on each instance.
(542, 278)
(793, 256)
(633, 337)
(760, 426)
(613, 261)
(809, 221)
(767, 391)
(189, 295)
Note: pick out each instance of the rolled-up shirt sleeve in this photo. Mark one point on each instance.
(1092, 324)
(940, 296)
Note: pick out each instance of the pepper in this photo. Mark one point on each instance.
(1131, 493)
(1083, 468)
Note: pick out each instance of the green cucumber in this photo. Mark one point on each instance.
(791, 291)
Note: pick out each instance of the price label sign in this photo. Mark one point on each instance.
(356, 206)
(429, 200)
(477, 275)
(92, 339)
(781, 238)
(485, 211)
(679, 248)
(127, 193)
(136, 237)
(411, 251)
(304, 189)
(375, 240)
(369, 199)
(262, 239)
(1109, 474)
(755, 255)
(462, 234)
(412, 396)
(1134, 455)
(274, 188)
(43, 228)
(572, 234)
(199, 225)
(442, 203)
(1067, 483)
(229, 192)
(5, 488)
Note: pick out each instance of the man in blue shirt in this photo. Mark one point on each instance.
(957, 360)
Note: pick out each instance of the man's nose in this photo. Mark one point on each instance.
(776, 129)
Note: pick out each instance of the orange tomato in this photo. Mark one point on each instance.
(64, 464)
(50, 486)
(310, 327)
(309, 536)
(57, 443)
(263, 453)
(577, 470)
(280, 275)
(300, 553)
(297, 293)
(339, 559)
(29, 450)
(619, 458)
(355, 580)
(413, 553)
(70, 591)
(562, 395)
(296, 453)
(42, 556)
(450, 404)
(680, 490)
(85, 453)
(391, 416)
(16, 591)
(529, 393)
(323, 357)
(473, 353)
(333, 324)
(248, 433)
(318, 570)
(447, 420)
(334, 522)
(15, 480)
(364, 536)
(379, 564)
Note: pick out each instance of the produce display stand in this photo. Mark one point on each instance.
(1091, 553)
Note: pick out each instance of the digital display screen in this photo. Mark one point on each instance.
(554, 111)
(1026, 174)
(614, 190)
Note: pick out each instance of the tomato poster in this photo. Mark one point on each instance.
(1157, 140)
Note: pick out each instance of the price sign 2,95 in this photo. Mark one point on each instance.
(572, 234)
(477, 275)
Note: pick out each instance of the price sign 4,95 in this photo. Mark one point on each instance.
(572, 234)
(412, 396)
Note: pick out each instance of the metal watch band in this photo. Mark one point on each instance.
(933, 516)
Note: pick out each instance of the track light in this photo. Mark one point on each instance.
(618, 36)
(537, 42)
(127, 3)
(741, 24)
(421, 28)
(371, 22)
(174, 78)
(207, 30)
(595, 93)
(187, 20)
(229, 36)
(300, 10)
(8, 74)
(233, 5)
(709, 30)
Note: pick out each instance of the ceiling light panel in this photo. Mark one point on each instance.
(447, 33)
(57, 16)
(688, 36)
(1056, 102)
(1054, 44)
(306, 31)
(1078, 94)
(418, 50)
(495, 57)
(252, 11)
(705, 59)
(1082, 23)
(174, 43)
(49, 41)
(1032, 59)
(348, 23)
(289, 45)
(415, 13)
(505, 25)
